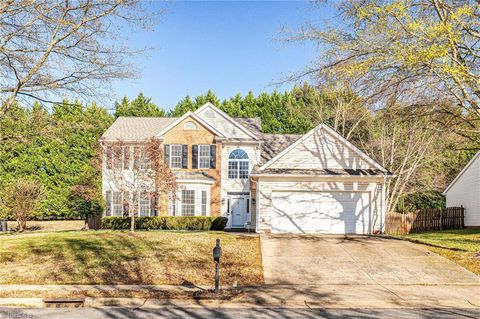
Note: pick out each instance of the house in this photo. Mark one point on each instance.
(464, 191)
(313, 183)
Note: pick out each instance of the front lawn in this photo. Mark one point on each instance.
(114, 257)
(461, 246)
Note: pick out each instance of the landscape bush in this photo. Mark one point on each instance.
(166, 223)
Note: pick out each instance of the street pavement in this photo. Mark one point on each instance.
(235, 313)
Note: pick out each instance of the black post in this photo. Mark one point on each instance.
(217, 276)
(217, 253)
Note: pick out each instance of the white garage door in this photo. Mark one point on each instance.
(320, 212)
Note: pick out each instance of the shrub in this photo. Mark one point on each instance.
(219, 223)
(166, 223)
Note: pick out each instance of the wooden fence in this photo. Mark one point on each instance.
(425, 220)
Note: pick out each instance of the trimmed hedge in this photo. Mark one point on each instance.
(166, 223)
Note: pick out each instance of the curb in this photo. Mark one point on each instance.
(137, 303)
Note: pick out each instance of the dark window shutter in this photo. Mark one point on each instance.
(166, 154)
(153, 203)
(184, 156)
(136, 157)
(213, 157)
(108, 157)
(194, 156)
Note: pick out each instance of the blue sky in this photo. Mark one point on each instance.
(229, 47)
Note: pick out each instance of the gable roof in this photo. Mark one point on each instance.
(226, 117)
(136, 128)
(196, 118)
(474, 158)
(274, 144)
(331, 131)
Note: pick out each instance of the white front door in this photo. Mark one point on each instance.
(238, 211)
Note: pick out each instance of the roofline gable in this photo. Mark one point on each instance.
(196, 118)
(330, 130)
(228, 118)
(474, 158)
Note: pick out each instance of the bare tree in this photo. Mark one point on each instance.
(22, 198)
(404, 145)
(54, 47)
(413, 51)
(137, 171)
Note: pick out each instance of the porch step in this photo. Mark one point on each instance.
(238, 230)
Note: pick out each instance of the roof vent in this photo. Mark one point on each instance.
(209, 114)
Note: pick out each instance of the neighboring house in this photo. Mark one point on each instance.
(464, 191)
(317, 182)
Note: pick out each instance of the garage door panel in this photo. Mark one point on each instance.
(322, 212)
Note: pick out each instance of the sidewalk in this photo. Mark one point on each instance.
(318, 296)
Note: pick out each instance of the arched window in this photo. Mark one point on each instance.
(238, 164)
(189, 126)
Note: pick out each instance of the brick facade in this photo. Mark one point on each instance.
(199, 136)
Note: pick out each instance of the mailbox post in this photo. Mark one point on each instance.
(217, 253)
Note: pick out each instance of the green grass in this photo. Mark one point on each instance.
(115, 257)
(460, 246)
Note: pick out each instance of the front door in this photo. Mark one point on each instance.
(239, 211)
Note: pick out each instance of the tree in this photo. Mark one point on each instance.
(187, 104)
(53, 146)
(140, 106)
(403, 146)
(53, 48)
(418, 52)
(22, 198)
(137, 172)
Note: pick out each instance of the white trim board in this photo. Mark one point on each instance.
(328, 129)
(474, 158)
(226, 117)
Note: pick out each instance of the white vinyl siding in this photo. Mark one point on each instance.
(321, 150)
(466, 192)
(176, 156)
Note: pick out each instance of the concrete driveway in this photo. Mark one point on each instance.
(361, 260)
(360, 272)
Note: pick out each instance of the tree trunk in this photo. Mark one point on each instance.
(132, 223)
(22, 224)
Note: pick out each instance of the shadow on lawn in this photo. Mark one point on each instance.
(110, 259)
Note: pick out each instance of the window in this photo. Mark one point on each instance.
(203, 156)
(117, 157)
(144, 160)
(176, 156)
(144, 209)
(232, 169)
(117, 205)
(188, 202)
(108, 203)
(204, 203)
(238, 165)
(189, 126)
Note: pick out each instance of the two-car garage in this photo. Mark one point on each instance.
(333, 212)
(334, 207)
